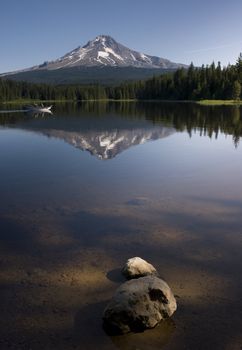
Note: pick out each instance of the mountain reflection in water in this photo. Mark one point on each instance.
(107, 129)
(108, 144)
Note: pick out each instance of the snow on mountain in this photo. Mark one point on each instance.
(105, 51)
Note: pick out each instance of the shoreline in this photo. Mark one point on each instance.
(199, 102)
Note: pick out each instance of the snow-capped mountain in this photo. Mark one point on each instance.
(102, 60)
(105, 51)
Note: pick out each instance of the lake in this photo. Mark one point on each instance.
(94, 184)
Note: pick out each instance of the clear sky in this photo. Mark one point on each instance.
(33, 31)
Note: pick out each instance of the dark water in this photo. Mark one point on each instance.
(86, 188)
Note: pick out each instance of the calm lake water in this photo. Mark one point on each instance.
(93, 184)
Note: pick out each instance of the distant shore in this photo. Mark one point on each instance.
(200, 102)
(219, 102)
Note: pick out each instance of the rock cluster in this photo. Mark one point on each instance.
(141, 302)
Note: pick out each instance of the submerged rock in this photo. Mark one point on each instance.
(139, 304)
(137, 267)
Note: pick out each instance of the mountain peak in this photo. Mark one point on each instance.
(105, 40)
(103, 50)
(103, 37)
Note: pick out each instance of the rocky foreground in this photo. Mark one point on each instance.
(140, 303)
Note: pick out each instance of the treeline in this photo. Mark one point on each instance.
(13, 90)
(210, 82)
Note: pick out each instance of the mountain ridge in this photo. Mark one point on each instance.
(101, 52)
(105, 51)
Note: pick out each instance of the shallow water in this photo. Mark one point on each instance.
(95, 184)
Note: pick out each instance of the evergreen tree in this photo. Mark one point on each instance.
(236, 90)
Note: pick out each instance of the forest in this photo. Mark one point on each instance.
(195, 83)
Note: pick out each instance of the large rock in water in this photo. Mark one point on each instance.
(139, 304)
(137, 267)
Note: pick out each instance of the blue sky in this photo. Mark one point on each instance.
(181, 30)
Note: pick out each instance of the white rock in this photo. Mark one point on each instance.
(137, 267)
(139, 304)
